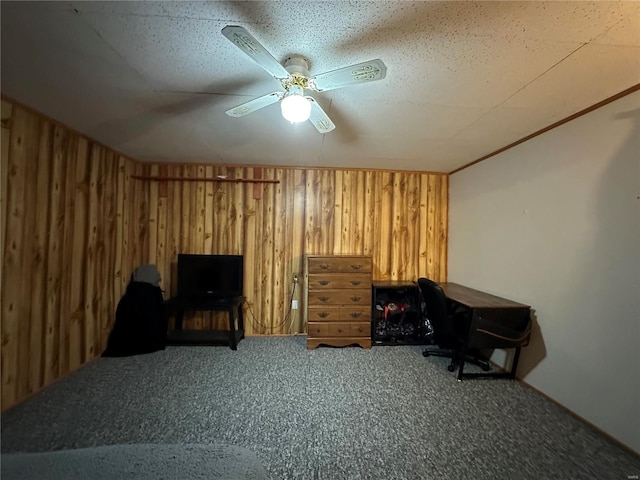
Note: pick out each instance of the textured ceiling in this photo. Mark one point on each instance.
(153, 79)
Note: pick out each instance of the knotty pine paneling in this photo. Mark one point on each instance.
(399, 218)
(77, 221)
(67, 255)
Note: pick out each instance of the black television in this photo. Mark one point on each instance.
(210, 276)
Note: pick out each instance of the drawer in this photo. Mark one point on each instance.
(356, 314)
(323, 314)
(339, 314)
(360, 329)
(324, 281)
(340, 297)
(339, 264)
(348, 329)
(340, 329)
(318, 329)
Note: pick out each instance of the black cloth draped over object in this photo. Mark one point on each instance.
(141, 323)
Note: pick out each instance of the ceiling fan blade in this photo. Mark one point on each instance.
(255, 104)
(249, 45)
(319, 118)
(369, 71)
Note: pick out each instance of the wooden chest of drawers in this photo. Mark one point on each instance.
(339, 300)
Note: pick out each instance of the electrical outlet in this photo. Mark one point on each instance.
(295, 278)
(294, 304)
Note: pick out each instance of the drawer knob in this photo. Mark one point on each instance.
(355, 282)
(356, 266)
(355, 299)
(323, 299)
(324, 282)
(324, 266)
(323, 314)
(355, 314)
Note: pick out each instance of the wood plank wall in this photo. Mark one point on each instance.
(66, 257)
(77, 221)
(399, 218)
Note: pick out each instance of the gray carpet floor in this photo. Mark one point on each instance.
(331, 413)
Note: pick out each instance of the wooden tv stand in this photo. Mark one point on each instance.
(232, 305)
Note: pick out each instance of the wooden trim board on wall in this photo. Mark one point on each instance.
(593, 107)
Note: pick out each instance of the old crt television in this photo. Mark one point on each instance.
(210, 276)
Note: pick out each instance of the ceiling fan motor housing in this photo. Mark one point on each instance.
(297, 64)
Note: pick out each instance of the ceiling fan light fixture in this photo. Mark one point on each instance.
(293, 74)
(295, 108)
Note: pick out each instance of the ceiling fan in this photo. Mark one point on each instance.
(294, 76)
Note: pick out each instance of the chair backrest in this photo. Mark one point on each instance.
(437, 309)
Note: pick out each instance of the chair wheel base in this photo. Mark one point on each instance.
(451, 368)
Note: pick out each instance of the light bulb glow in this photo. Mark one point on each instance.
(295, 108)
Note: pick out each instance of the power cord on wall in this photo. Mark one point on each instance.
(288, 320)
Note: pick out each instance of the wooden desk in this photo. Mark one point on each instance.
(484, 305)
(471, 298)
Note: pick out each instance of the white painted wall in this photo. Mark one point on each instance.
(555, 223)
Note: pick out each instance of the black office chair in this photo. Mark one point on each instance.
(450, 328)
